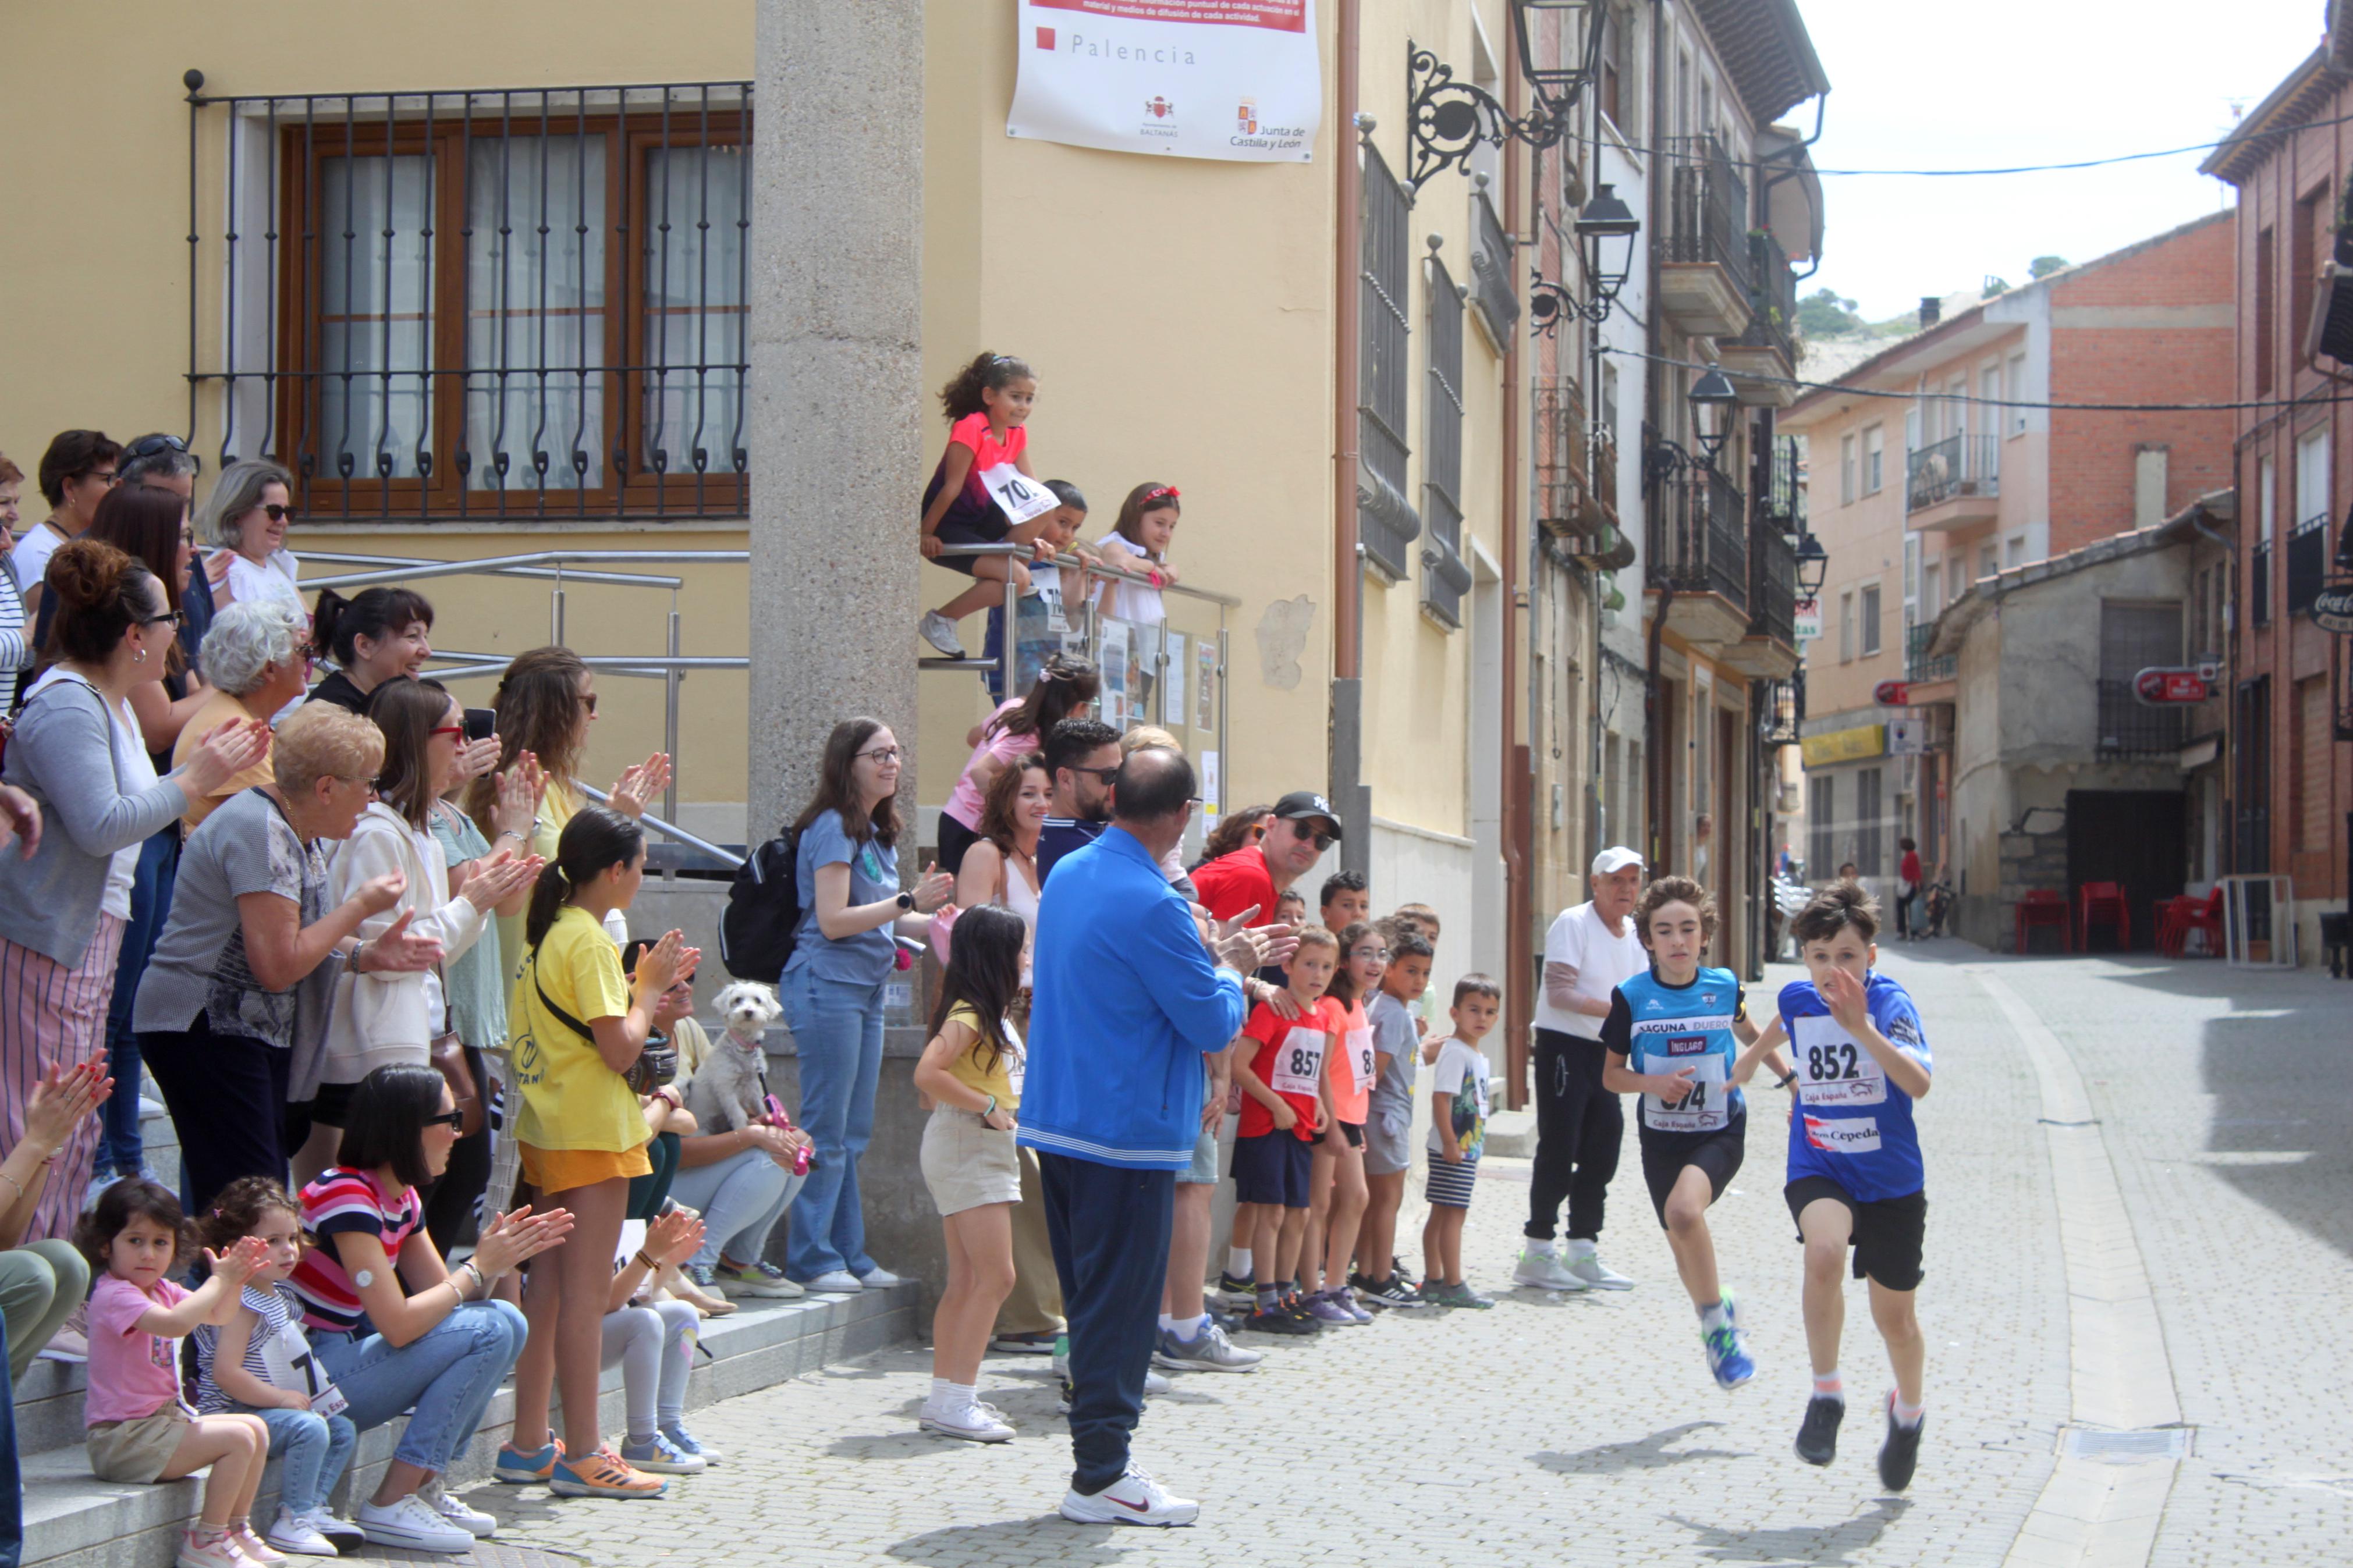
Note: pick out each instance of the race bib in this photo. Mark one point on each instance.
(1299, 1063)
(287, 1355)
(1704, 1109)
(1833, 1067)
(1844, 1135)
(1017, 495)
(1360, 1057)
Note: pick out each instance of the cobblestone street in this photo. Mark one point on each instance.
(1584, 1429)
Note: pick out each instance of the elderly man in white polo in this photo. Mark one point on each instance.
(1580, 1125)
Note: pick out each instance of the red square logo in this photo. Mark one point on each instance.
(1045, 37)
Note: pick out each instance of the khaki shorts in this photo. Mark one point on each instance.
(136, 1450)
(967, 1162)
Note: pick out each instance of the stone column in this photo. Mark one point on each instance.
(836, 417)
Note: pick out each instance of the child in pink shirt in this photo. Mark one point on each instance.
(138, 1429)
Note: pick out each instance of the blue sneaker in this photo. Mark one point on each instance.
(658, 1455)
(1727, 1355)
(686, 1443)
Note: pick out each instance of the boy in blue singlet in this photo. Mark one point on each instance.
(1854, 1173)
(1670, 1037)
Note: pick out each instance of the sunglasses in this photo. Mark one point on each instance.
(1106, 776)
(278, 512)
(153, 446)
(453, 1120)
(588, 701)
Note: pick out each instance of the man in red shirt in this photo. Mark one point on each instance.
(1303, 825)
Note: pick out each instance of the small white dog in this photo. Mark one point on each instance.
(739, 1057)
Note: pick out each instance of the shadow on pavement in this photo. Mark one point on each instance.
(1046, 1538)
(1821, 1546)
(1651, 1453)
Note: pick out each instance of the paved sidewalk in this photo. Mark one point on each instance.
(1577, 1429)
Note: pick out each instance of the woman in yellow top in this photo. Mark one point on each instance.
(545, 702)
(577, 1025)
(971, 1070)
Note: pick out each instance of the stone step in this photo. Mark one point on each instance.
(75, 1521)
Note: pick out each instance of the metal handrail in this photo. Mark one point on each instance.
(1092, 569)
(551, 562)
(669, 829)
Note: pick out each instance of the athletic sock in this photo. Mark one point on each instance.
(1908, 1415)
(1580, 1247)
(1714, 1317)
(942, 1395)
(1827, 1385)
(1268, 1296)
(1168, 1323)
(1191, 1330)
(1237, 1262)
(1542, 1243)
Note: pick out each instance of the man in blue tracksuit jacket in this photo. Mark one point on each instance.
(1124, 1002)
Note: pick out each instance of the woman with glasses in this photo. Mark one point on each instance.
(78, 751)
(386, 1020)
(242, 976)
(847, 868)
(248, 511)
(546, 702)
(77, 471)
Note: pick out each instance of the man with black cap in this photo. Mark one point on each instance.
(1580, 1125)
(1303, 825)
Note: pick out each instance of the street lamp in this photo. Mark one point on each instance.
(1813, 566)
(1713, 390)
(1604, 233)
(1446, 119)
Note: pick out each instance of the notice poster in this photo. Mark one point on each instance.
(1238, 79)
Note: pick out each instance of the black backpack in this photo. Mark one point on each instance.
(763, 911)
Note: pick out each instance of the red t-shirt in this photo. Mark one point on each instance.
(1232, 883)
(1290, 1061)
(1910, 871)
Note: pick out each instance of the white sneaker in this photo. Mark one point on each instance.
(295, 1532)
(220, 1552)
(837, 1281)
(1133, 1498)
(941, 633)
(411, 1522)
(1598, 1274)
(1542, 1269)
(1155, 1384)
(472, 1521)
(879, 1278)
(151, 1109)
(974, 1422)
(342, 1535)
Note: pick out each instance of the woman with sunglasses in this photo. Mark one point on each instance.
(394, 1326)
(78, 751)
(245, 971)
(385, 1020)
(248, 511)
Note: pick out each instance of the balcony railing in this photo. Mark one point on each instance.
(1919, 665)
(1773, 585)
(1785, 490)
(1562, 477)
(1708, 208)
(1698, 536)
(2307, 561)
(1955, 466)
(1492, 291)
(2131, 728)
(2259, 582)
(1772, 298)
(1604, 453)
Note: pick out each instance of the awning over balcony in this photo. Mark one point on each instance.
(1793, 193)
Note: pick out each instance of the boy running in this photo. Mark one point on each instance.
(1458, 1133)
(1855, 1174)
(1669, 1037)
(1282, 1115)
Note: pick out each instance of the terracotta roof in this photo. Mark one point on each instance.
(1765, 46)
(2294, 101)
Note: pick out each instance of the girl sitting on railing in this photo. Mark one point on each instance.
(984, 491)
(1138, 543)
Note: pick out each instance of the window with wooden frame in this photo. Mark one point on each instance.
(517, 304)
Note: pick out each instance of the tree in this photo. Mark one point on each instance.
(1822, 312)
(2044, 266)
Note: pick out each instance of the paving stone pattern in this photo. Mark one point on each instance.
(1584, 1429)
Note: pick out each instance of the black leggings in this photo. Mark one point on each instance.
(226, 1094)
(1579, 1129)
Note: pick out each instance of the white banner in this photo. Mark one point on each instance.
(1238, 79)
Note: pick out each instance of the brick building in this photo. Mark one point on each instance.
(2291, 764)
(1929, 477)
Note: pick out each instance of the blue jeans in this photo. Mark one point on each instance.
(448, 1373)
(315, 1449)
(740, 1198)
(120, 1148)
(838, 1030)
(11, 1486)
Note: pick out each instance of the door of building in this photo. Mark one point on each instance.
(2137, 837)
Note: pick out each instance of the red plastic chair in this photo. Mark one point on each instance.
(2177, 918)
(2043, 907)
(2102, 903)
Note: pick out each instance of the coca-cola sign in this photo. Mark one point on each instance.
(1892, 693)
(2160, 688)
(2332, 610)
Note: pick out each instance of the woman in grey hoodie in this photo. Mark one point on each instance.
(77, 750)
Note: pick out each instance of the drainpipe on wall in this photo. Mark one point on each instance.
(1519, 980)
(1655, 769)
(1351, 796)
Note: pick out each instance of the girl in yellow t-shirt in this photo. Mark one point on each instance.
(972, 1072)
(576, 1024)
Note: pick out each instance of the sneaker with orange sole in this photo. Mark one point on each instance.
(602, 1474)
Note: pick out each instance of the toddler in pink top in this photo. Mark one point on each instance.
(138, 1429)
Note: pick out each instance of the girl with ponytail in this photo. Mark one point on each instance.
(578, 1024)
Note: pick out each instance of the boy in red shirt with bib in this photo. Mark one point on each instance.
(1283, 1116)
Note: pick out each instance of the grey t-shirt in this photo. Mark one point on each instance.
(1398, 1036)
(247, 845)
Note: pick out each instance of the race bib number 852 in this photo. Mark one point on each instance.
(1833, 1067)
